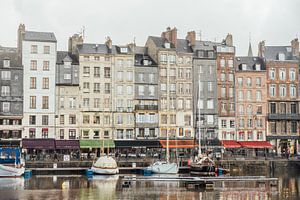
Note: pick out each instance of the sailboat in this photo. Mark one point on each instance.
(165, 167)
(202, 165)
(105, 165)
(8, 169)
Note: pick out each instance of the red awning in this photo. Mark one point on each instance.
(45, 129)
(256, 144)
(185, 144)
(230, 144)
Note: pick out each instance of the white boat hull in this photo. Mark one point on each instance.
(164, 168)
(8, 171)
(105, 171)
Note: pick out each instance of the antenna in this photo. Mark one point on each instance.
(199, 34)
(83, 31)
(133, 39)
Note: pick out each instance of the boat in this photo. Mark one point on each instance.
(202, 165)
(10, 165)
(105, 165)
(165, 167)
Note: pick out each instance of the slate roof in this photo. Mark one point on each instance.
(140, 54)
(8, 49)
(87, 48)
(250, 62)
(39, 36)
(205, 45)
(271, 52)
(15, 59)
(61, 55)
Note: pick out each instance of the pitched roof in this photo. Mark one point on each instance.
(272, 52)
(62, 55)
(15, 59)
(182, 44)
(95, 49)
(39, 36)
(250, 62)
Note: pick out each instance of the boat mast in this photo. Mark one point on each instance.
(199, 115)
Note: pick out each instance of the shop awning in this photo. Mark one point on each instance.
(256, 144)
(67, 144)
(97, 144)
(184, 144)
(10, 143)
(137, 143)
(38, 144)
(230, 144)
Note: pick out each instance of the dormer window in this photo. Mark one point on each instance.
(123, 49)
(244, 67)
(67, 64)
(146, 62)
(167, 45)
(281, 56)
(257, 67)
(6, 63)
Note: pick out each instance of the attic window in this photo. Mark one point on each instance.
(167, 45)
(6, 63)
(123, 49)
(146, 62)
(257, 67)
(281, 56)
(244, 67)
(289, 49)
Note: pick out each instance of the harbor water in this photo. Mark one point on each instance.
(111, 187)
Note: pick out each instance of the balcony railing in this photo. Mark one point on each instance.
(287, 116)
(146, 107)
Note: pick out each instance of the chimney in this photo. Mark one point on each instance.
(191, 38)
(229, 40)
(21, 33)
(170, 35)
(261, 49)
(295, 47)
(108, 43)
(75, 40)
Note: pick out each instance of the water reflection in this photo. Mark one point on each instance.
(110, 187)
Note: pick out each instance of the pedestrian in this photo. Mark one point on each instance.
(56, 157)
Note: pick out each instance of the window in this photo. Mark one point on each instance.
(292, 75)
(86, 102)
(241, 123)
(45, 102)
(272, 73)
(282, 74)
(163, 58)
(209, 86)
(97, 58)
(96, 119)
(294, 127)
(223, 92)
(249, 80)
(107, 88)
(45, 83)
(32, 119)
(231, 92)
(72, 102)
(259, 123)
(172, 87)
(120, 76)
(257, 67)
(188, 73)
(172, 59)
(72, 119)
(222, 62)
(32, 102)
(173, 72)
(67, 76)
(86, 71)
(32, 82)
(272, 91)
(232, 124)
(5, 75)
(106, 102)
(86, 58)
(273, 108)
(250, 123)
(61, 134)
(188, 103)
(62, 119)
(33, 65)
(107, 58)
(223, 123)
(210, 104)
(6, 63)
(5, 90)
(250, 135)
(46, 49)
(244, 67)
(223, 77)
(180, 73)
(6, 107)
(223, 107)
(96, 71)
(45, 119)
(141, 90)
(106, 72)
(86, 119)
(282, 90)
(258, 82)
(230, 63)
(163, 87)
(258, 95)
(249, 109)
(85, 134)
(33, 49)
(172, 103)
(188, 88)
(151, 90)
(241, 109)
(46, 65)
(259, 110)
(210, 119)
(163, 72)
(119, 119)
(293, 108)
(96, 87)
(72, 134)
(292, 90)
(163, 103)
(172, 119)
(240, 82)
(230, 76)
(187, 120)
(282, 108)
(129, 76)
(96, 103)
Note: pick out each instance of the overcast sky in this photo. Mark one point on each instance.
(276, 21)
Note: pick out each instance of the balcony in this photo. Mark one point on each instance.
(280, 116)
(146, 107)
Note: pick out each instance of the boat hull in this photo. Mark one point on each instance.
(165, 168)
(201, 170)
(105, 171)
(8, 171)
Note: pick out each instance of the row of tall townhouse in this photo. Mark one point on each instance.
(169, 87)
